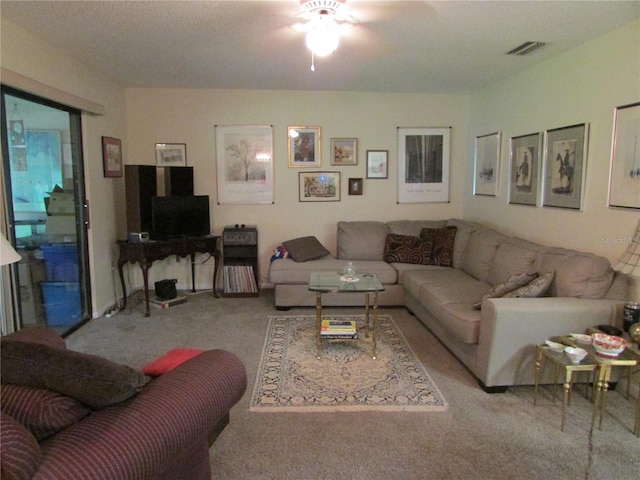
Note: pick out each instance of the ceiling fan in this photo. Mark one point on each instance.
(325, 19)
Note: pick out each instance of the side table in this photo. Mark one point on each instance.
(588, 364)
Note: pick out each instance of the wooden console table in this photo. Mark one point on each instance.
(146, 253)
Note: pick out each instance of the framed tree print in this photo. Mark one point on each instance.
(244, 160)
(565, 159)
(524, 169)
(423, 164)
(487, 164)
(624, 182)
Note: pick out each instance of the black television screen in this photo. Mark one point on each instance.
(180, 216)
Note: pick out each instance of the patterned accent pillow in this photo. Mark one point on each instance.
(535, 288)
(510, 284)
(407, 249)
(43, 412)
(442, 240)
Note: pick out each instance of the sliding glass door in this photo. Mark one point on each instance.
(44, 194)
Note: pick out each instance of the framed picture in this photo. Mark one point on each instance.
(355, 186)
(624, 181)
(487, 164)
(244, 164)
(304, 148)
(524, 169)
(565, 158)
(377, 164)
(319, 186)
(423, 164)
(344, 151)
(112, 157)
(171, 154)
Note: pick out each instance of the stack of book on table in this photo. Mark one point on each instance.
(342, 329)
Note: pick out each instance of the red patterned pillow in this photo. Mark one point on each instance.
(169, 361)
(442, 244)
(407, 249)
(43, 412)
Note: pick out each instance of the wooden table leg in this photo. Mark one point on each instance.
(145, 277)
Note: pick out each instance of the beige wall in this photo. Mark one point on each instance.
(28, 56)
(581, 86)
(190, 116)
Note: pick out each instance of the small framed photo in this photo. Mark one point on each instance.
(304, 147)
(171, 154)
(344, 151)
(624, 181)
(524, 175)
(487, 164)
(565, 159)
(319, 186)
(355, 186)
(112, 156)
(377, 164)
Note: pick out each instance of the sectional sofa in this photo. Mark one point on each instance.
(449, 288)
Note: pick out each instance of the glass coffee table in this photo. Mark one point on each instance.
(330, 282)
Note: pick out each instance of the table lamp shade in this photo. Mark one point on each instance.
(629, 261)
(7, 253)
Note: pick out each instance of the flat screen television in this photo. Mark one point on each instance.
(180, 216)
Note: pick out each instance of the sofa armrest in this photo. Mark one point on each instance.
(139, 438)
(510, 329)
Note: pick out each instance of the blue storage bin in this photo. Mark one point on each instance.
(61, 303)
(61, 262)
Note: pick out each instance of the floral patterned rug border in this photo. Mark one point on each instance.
(291, 379)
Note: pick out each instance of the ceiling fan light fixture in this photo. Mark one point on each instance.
(323, 38)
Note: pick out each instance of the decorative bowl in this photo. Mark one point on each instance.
(575, 354)
(608, 345)
(581, 338)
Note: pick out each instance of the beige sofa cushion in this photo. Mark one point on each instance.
(413, 227)
(361, 240)
(481, 251)
(463, 232)
(510, 259)
(577, 274)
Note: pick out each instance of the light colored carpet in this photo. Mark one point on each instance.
(291, 379)
(480, 436)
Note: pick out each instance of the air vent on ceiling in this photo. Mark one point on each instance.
(526, 47)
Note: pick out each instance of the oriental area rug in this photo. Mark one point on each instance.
(291, 379)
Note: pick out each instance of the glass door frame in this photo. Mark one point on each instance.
(80, 201)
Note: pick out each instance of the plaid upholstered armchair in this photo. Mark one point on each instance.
(70, 415)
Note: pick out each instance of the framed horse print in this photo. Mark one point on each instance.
(565, 161)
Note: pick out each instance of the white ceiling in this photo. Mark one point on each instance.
(396, 46)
